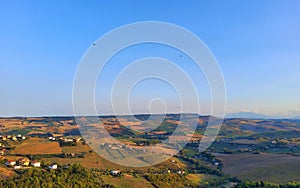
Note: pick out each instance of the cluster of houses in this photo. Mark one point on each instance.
(50, 138)
(64, 139)
(21, 163)
(3, 149)
(12, 137)
(113, 146)
(182, 172)
(26, 163)
(3, 138)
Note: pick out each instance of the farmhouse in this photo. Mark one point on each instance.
(180, 172)
(51, 138)
(53, 166)
(68, 140)
(23, 162)
(20, 137)
(17, 167)
(10, 162)
(36, 164)
(115, 172)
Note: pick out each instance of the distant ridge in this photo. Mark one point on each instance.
(242, 115)
(250, 115)
(253, 115)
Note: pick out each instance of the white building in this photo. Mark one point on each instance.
(115, 172)
(181, 172)
(54, 166)
(17, 167)
(36, 164)
(10, 163)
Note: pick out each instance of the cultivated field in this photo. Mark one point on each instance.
(37, 146)
(240, 138)
(262, 167)
(93, 160)
(76, 149)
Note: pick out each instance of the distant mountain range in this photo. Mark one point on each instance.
(253, 115)
(242, 115)
(249, 115)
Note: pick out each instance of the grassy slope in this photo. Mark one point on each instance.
(127, 181)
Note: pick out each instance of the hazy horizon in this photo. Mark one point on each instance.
(242, 115)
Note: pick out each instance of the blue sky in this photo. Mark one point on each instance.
(256, 44)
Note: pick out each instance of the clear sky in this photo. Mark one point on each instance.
(256, 44)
